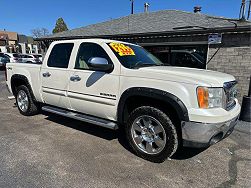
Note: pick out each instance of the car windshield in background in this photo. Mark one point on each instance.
(198, 56)
(132, 56)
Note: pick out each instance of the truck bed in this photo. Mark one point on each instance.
(31, 71)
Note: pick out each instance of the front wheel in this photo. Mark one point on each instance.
(151, 134)
(25, 103)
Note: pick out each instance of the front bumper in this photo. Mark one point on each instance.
(196, 134)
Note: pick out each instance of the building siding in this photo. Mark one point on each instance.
(233, 57)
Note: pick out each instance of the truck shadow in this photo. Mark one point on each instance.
(187, 153)
(104, 133)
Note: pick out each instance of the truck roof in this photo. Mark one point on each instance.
(96, 40)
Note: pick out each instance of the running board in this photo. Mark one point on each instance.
(81, 117)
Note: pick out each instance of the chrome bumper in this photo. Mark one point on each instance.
(196, 134)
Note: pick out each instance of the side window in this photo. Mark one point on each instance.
(60, 55)
(87, 51)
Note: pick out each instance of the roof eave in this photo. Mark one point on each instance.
(178, 32)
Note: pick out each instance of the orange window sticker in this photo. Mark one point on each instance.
(122, 49)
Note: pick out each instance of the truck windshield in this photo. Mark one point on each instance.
(132, 56)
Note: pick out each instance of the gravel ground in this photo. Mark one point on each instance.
(52, 151)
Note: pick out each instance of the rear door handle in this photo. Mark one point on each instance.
(75, 78)
(46, 74)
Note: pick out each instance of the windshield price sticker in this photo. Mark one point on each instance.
(122, 49)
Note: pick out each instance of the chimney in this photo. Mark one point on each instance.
(197, 9)
(146, 5)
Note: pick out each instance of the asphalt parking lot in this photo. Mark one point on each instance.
(52, 151)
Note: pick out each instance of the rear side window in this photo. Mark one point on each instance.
(60, 55)
(16, 55)
(37, 56)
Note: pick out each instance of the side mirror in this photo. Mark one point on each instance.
(100, 64)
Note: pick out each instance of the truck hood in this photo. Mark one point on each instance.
(185, 75)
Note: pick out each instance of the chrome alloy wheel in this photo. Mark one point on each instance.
(22, 101)
(148, 134)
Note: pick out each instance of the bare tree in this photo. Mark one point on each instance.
(45, 31)
(39, 32)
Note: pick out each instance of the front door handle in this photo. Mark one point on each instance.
(75, 78)
(46, 74)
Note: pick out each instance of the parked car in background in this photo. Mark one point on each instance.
(3, 60)
(182, 58)
(39, 56)
(185, 58)
(28, 58)
(14, 57)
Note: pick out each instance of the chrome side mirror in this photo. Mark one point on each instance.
(100, 64)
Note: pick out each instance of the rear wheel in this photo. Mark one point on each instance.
(151, 134)
(25, 103)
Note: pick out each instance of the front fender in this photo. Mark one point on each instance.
(169, 98)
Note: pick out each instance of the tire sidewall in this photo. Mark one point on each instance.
(170, 130)
(26, 90)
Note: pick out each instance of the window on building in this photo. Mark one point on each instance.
(60, 55)
(87, 51)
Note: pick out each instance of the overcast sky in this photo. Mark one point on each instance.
(23, 15)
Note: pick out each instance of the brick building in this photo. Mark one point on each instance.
(181, 39)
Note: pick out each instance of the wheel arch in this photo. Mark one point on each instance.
(18, 80)
(154, 95)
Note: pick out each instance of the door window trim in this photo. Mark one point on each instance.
(60, 68)
(82, 69)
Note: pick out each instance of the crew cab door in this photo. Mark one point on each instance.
(55, 75)
(92, 91)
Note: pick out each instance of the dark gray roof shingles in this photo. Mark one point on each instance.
(160, 21)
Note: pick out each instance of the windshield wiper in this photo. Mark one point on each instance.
(145, 65)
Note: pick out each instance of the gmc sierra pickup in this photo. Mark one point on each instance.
(116, 84)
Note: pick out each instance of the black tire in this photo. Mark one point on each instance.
(33, 107)
(171, 143)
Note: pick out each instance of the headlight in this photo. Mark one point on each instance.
(210, 97)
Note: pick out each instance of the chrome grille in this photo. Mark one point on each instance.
(230, 94)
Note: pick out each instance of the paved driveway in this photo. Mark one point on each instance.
(52, 151)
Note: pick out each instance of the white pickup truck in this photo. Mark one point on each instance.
(116, 84)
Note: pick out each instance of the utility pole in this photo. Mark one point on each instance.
(132, 6)
(242, 10)
(249, 10)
